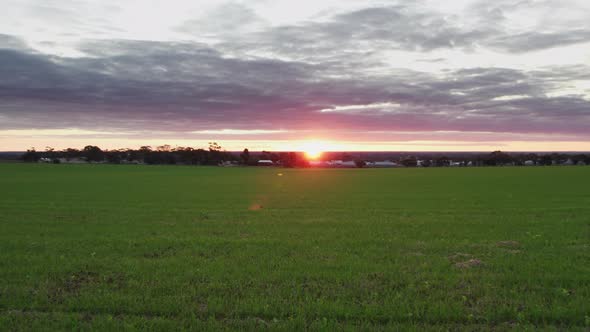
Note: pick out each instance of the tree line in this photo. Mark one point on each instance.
(163, 155)
(216, 155)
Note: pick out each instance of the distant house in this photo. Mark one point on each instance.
(134, 162)
(72, 161)
(386, 163)
(529, 163)
(317, 163)
(228, 164)
(348, 164)
(340, 163)
(265, 162)
(568, 162)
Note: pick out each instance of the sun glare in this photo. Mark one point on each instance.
(313, 149)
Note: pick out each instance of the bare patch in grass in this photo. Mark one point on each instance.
(469, 264)
(163, 252)
(508, 244)
(255, 207)
(459, 257)
(116, 280)
(71, 285)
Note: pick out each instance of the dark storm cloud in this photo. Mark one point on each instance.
(189, 86)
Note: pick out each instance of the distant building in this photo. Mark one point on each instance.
(386, 163)
(265, 162)
(228, 164)
(72, 161)
(340, 163)
(348, 164)
(317, 163)
(529, 163)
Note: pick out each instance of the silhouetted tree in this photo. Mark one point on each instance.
(545, 160)
(93, 153)
(498, 158)
(409, 161)
(245, 156)
(215, 156)
(164, 148)
(426, 163)
(360, 163)
(213, 146)
(31, 156)
(292, 159)
(442, 161)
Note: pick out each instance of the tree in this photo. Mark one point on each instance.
(213, 146)
(31, 156)
(360, 163)
(409, 161)
(245, 156)
(71, 153)
(164, 148)
(289, 159)
(93, 153)
(442, 161)
(498, 158)
(545, 160)
(215, 154)
(50, 153)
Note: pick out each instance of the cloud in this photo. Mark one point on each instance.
(364, 32)
(380, 107)
(8, 42)
(534, 41)
(225, 19)
(238, 132)
(190, 87)
(363, 68)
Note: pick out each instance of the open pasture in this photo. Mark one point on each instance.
(165, 248)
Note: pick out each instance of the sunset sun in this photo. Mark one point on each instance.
(313, 149)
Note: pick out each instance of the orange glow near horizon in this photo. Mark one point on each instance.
(21, 143)
(314, 149)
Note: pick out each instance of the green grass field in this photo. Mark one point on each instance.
(167, 248)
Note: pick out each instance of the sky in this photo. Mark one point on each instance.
(461, 75)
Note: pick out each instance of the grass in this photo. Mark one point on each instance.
(166, 248)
